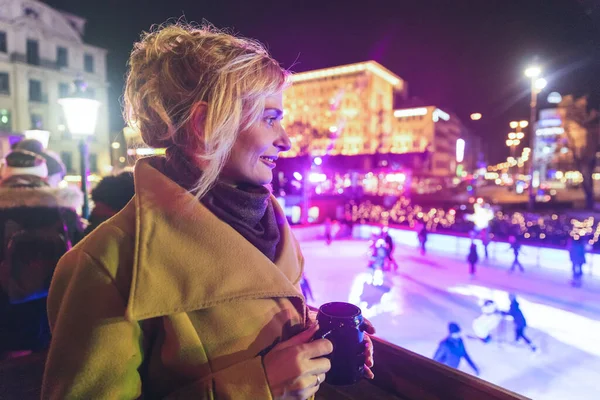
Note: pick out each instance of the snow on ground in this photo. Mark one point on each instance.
(413, 309)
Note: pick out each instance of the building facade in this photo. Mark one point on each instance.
(427, 130)
(553, 150)
(345, 110)
(41, 53)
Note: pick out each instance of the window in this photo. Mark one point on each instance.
(88, 63)
(4, 83)
(33, 52)
(62, 57)
(3, 48)
(67, 159)
(37, 121)
(5, 121)
(64, 90)
(93, 163)
(35, 90)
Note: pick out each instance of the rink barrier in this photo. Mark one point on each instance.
(458, 246)
(402, 374)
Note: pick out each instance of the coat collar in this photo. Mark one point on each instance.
(186, 259)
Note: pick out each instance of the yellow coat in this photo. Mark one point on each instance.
(167, 301)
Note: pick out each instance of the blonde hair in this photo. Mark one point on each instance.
(176, 68)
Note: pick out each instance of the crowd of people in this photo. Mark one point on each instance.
(39, 223)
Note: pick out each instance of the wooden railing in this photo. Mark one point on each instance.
(402, 374)
(399, 374)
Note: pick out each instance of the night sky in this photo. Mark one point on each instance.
(464, 56)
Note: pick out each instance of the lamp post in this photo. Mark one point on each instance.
(81, 114)
(537, 84)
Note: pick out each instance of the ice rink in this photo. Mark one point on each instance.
(413, 307)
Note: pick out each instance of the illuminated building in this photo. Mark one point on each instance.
(552, 150)
(429, 131)
(345, 110)
(41, 52)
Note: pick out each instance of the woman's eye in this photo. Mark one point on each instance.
(271, 121)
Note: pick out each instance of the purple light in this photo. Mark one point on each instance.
(318, 161)
(297, 176)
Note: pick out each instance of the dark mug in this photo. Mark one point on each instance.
(343, 325)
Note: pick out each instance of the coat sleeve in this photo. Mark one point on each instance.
(95, 352)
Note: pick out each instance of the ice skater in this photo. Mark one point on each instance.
(519, 321)
(328, 235)
(516, 248)
(422, 235)
(487, 322)
(577, 254)
(392, 264)
(378, 256)
(485, 241)
(472, 258)
(452, 349)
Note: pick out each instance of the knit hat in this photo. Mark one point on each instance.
(453, 327)
(54, 164)
(21, 162)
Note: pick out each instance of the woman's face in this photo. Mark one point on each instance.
(256, 149)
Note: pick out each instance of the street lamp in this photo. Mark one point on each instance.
(537, 84)
(81, 114)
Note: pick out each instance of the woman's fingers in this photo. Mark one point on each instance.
(317, 348)
(369, 328)
(368, 373)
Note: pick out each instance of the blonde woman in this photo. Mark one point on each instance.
(192, 290)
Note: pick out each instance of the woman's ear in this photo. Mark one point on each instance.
(194, 128)
(198, 118)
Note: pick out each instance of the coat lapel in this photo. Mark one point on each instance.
(187, 259)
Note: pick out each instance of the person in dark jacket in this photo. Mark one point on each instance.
(515, 245)
(385, 233)
(38, 224)
(577, 254)
(422, 235)
(472, 258)
(110, 196)
(452, 349)
(520, 321)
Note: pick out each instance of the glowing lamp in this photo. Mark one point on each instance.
(540, 83)
(513, 124)
(533, 71)
(476, 116)
(297, 176)
(523, 124)
(81, 114)
(460, 150)
(318, 161)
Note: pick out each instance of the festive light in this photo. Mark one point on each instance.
(437, 114)
(410, 112)
(476, 116)
(551, 131)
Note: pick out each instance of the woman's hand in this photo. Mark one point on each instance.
(295, 368)
(369, 361)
